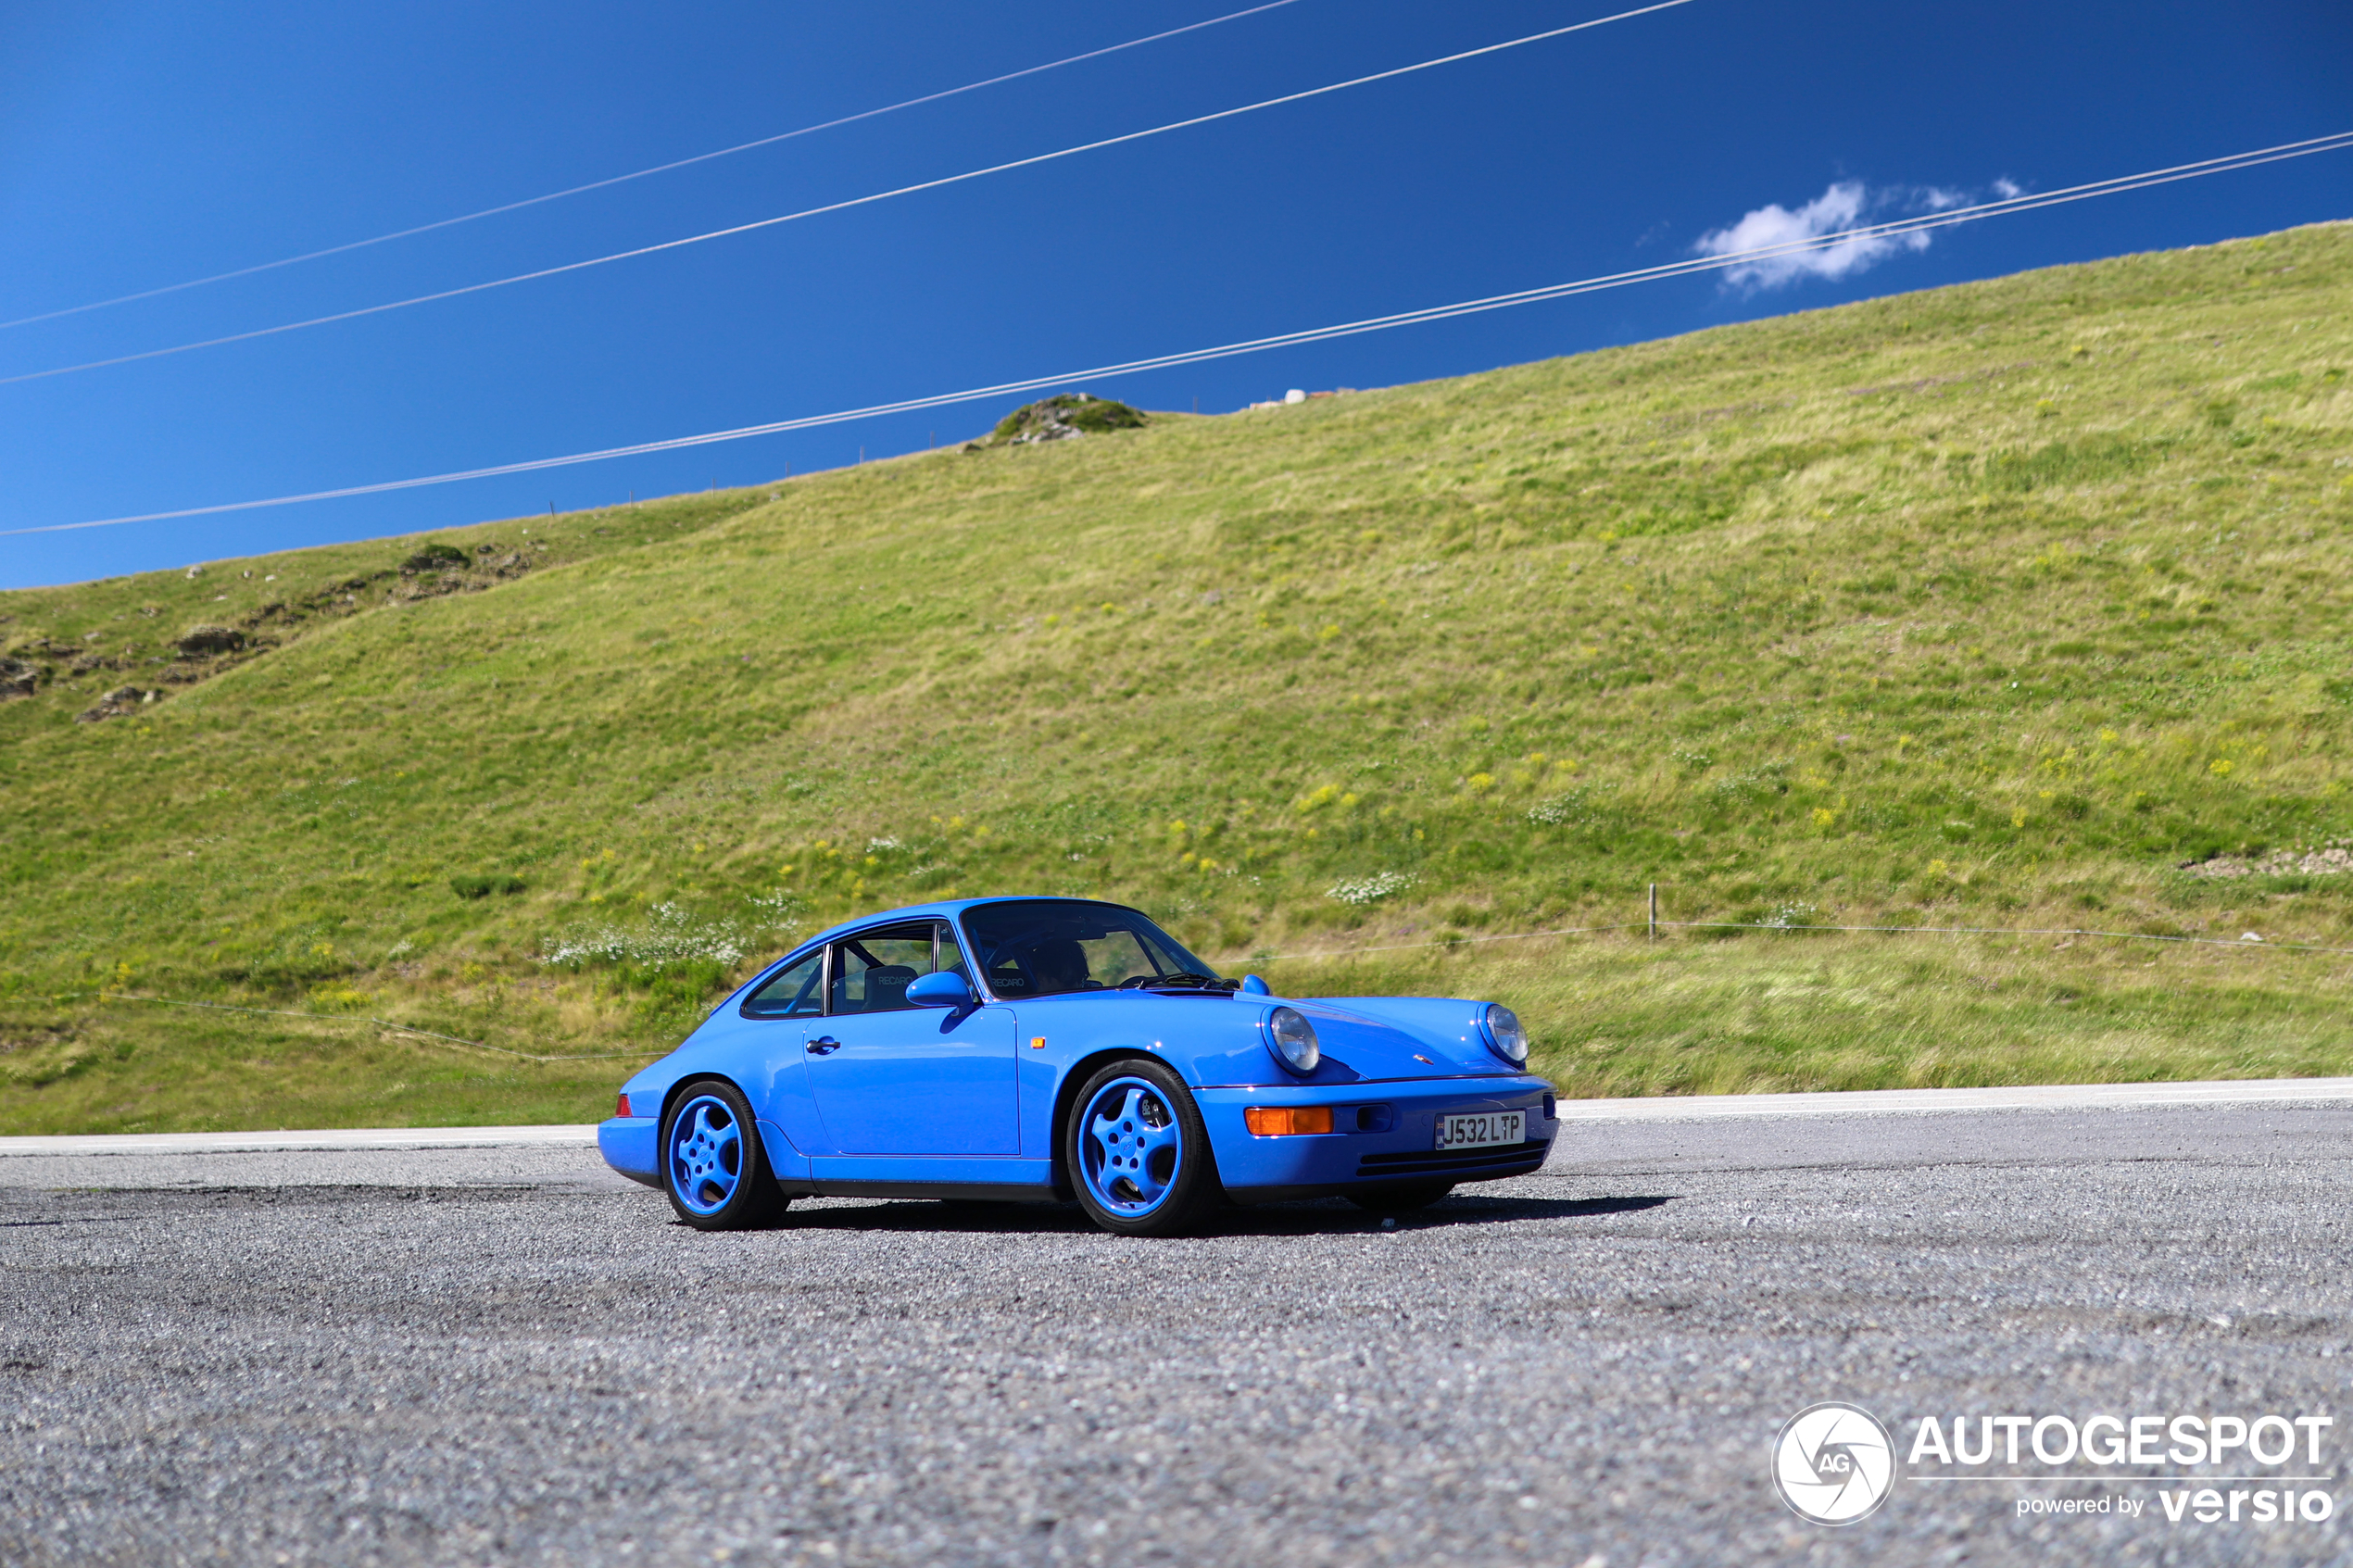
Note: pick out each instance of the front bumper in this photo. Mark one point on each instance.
(1383, 1134)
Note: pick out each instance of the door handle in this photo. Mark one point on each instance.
(824, 1044)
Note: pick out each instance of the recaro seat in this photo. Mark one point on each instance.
(887, 987)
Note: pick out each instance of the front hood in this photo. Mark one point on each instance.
(1372, 1031)
(1363, 1038)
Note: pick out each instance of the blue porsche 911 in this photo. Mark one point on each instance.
(1045, 1049)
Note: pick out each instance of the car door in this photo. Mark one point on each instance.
(774, 1015)
(889, 1078)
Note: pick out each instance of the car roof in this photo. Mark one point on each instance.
(948, 908)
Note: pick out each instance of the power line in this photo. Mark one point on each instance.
(2027, 203)
(642, 173)
(839, 205)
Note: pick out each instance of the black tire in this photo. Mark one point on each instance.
(1190, 1192)
(1401, 1199)
(753, 1199)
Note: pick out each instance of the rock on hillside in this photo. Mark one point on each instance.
(1059, 418)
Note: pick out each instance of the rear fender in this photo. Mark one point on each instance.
(785, 1163)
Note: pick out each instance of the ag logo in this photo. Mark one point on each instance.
(1834, 1463)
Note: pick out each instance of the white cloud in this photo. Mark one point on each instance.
(2008, 190)
(1840, 207)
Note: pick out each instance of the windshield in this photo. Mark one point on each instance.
(1047, 946)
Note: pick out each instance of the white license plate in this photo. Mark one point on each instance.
(1484, 1130)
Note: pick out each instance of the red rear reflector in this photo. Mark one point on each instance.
(1287, 1121)
(622, 1109)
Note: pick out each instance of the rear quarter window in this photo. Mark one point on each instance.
(792, 992)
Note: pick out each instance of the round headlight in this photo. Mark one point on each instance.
(1503, 1032)
(1294, 1039)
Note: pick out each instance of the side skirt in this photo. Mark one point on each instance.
(978, 1192)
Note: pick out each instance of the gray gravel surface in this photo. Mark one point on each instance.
(493, 1356)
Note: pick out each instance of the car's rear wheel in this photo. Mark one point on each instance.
(712, 1163)
(1138, 1153)
(1401, 1199)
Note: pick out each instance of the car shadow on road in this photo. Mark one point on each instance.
(1459, 1209)
(1321, 1217)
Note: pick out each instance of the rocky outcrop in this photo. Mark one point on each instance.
(203, 641)
(438, 558)
(1060, 418)
(34, 662)
(116, 703)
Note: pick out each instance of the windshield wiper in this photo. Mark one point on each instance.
(1184, 979)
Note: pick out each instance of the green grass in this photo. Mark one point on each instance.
(1804, 1012)
(1990, 605)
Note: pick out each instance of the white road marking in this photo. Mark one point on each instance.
(281, 1142)
(1899, 1102)
(1654, 1108)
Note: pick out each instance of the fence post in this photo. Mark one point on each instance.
(1653, 911)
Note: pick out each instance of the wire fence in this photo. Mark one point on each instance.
(1457, 941)
(2250, 941)
(387, 1024)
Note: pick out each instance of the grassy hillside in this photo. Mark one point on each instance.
(1993, 606)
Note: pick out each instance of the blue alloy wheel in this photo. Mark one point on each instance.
(706, 1154)
(1136, 1151)
(712, 1163)
(1130, 1150)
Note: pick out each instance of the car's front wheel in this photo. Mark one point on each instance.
(712, 1163)
(1138, 1153)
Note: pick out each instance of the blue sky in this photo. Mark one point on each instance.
(142, 145)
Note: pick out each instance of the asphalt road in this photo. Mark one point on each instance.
(505, 1355)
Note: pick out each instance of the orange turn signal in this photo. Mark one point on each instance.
(1287, 1121)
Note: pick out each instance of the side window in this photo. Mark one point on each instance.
(791, 992)
(873, 970)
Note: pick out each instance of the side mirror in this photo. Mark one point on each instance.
(1253, 986)
(945, 988)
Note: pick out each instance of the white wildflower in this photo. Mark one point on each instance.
(1569, 808)
(669, 935)
(1371, 889)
